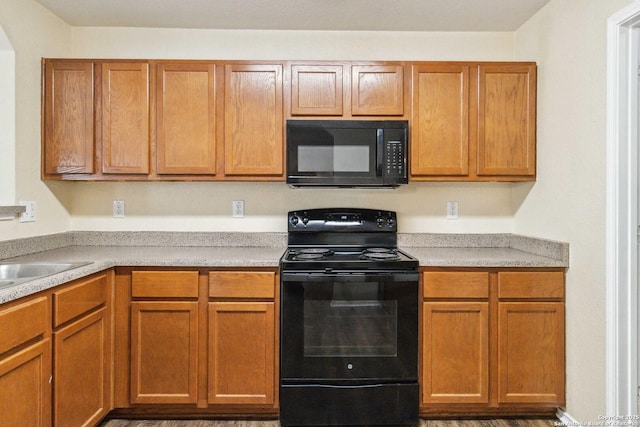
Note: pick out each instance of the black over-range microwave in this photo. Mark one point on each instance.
(347, 153)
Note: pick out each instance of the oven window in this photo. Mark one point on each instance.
(356, 321)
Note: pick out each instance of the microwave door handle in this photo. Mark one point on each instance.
(379, 152)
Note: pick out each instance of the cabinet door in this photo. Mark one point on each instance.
(377, 90)
(253, 120)
(531, 352)
(242, 353)
(68, 117)
(82, 351)
(125, 118)
(440, 120)
(316, 90)
(164, 344)
(506, 120)
(25, 389)
(455, 352)
(186, 119)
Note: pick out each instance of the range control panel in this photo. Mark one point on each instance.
(342, 219)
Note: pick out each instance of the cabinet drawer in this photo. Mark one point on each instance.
(455, 284)
(78, 299)
(161, 284)
(242, 284)
(22, 323)
(548, 284)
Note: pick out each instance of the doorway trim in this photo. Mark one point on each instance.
(623, 29)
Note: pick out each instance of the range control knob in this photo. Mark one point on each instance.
(294, 220)
(380, 221)
(305, 220)
(390, 221)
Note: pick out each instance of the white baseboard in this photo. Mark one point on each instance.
(565, 418)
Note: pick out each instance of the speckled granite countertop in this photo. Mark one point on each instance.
(164, 249)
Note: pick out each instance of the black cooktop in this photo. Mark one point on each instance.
(344, 238)
(314, 258)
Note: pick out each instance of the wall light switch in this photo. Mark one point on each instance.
(452, 210)
(237, 208)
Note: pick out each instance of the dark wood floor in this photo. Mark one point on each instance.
(423, 423)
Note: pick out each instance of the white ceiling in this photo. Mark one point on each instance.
(356, 15)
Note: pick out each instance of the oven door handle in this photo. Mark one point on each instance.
(349, 277)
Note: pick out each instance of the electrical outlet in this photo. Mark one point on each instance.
(237, 208)
(118, 208)
(452, 210)
(29, 215)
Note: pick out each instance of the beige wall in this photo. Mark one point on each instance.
(33, 32)
(568, 40)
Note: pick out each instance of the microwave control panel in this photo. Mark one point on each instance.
(395, 156)
(394, 161)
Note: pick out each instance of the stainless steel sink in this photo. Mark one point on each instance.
(6, 283)
(14, 273)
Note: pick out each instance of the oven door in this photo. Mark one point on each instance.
(342, 328)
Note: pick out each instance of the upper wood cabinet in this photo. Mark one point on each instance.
(377, 90)
(162, 120)
(186, 128)
(68, 136)
(253, 120)
(440, 120)
(506, 138)
(473, 122)
(125, 118)
(316, 90)
(225, 120)
(347, 90)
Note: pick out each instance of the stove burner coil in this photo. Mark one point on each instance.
(310, 254)
(379, 250)
(307, 257)
(315, 251)
(387, 256)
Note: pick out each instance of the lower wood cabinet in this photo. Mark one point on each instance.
(242, 338)
(82, 351)
(492, 342)
(55, 355)
(81, 377)
(164, 337)
(164, 342)
(25, 390)
(455, 337)
(531, 352)
(201, 341)
(455, 352)
(25, 363)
